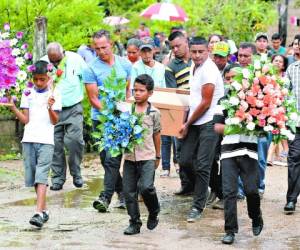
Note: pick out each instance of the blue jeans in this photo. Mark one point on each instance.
(263, 144)
(166, 142)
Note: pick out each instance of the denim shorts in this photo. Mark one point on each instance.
(37, 162)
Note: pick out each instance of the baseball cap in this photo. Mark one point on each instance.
(260, 35)
(147, 42)
(221, 49)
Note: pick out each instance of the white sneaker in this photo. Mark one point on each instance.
(280, 163)
(165, 173)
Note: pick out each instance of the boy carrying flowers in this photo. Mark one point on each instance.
(39, 112)
(139, 167)
(238, 158)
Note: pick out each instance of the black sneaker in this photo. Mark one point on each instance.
(121, 201)
(78, 182)
(37, 220)
(152, 221)
(101, 204)
(45, 216)
(257, 225)
(228, 238)
(56, 187)
(193, 215)
(133, 228)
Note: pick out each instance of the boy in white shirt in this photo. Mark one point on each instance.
(39, 112)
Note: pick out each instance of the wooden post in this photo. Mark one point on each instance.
(40, 38)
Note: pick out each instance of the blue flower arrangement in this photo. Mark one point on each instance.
(118, 131)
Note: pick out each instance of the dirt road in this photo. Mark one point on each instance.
(74, 224)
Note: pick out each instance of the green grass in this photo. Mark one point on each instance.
(12, 156)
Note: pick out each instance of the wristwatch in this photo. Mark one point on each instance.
(158, 157)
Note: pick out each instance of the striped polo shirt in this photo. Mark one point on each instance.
(178, 73)
(235, 145)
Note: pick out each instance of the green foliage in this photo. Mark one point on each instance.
(237, 19)
(11, 156)
(70, 22)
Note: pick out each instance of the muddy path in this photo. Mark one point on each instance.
(74, 224)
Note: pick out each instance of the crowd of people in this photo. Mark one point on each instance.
(232, 169)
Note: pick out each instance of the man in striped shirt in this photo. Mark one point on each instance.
(177, 75)
(293, 73)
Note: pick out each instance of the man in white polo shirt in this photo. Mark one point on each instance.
(199, 138)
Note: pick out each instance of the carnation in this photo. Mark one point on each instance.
(20, 61)
(246, 73)
(250, 126)
(234, 100)
(22, 75)
(4, 35)
(245, 83)
(257, 64)
(241, 95)
(236, 85)
(265, 69)
(294, 116)
(16, 52)
(13, 42)
(271, 119)
(244, 105)
(268, 128)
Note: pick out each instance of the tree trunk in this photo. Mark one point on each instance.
(40, 38)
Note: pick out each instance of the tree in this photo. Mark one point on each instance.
(70, 22)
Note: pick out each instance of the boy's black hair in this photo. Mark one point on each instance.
(276, 36)
(198, 40)
(146, 80)
(230, 67)
(40, 67)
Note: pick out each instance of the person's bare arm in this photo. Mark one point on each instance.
(92, 93)
(52, 114)
(128, 92)
(23, 115)
(156, 139)
(219, 128)
(207, 93)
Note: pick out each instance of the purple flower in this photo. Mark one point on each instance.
(19, 34)
(50, 67)
(27, 92)
(31, 68)
(24, 46)
(3, 100)
(30, 84)
(28, 56)
(6, 26)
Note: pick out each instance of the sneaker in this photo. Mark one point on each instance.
(240, 197)
(165, 173)
(133, 228)
(280, 163)
(211, 198)
(121, 201)
(228, 238)
(45, 216)
(152, 221)
(101, 204)
(257, 225)
(78, 182)
(37, 220)
(177, 168)
(193, 215)
(218, 205)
